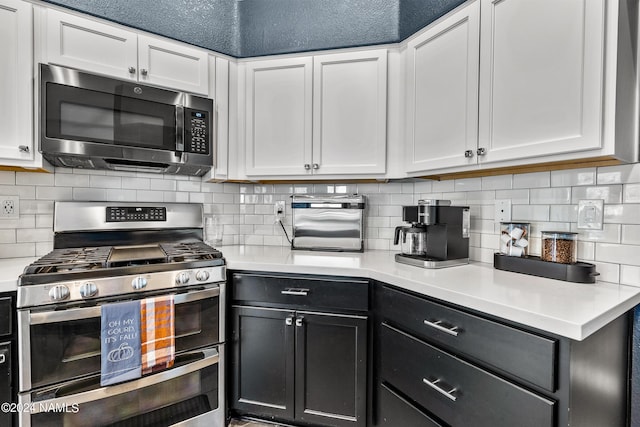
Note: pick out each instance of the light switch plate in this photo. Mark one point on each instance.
(503, 210)
(590, 214)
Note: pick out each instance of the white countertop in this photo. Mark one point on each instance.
(10, 269)
(573, 310)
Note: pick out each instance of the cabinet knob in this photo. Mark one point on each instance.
(307, 166)
(481, 151)
(288, 321)
(316, 166)
(132, 70)
(23, 148)
(468, 154)
(144, 72)
(299, 321)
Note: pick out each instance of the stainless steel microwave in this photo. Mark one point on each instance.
(94, 122)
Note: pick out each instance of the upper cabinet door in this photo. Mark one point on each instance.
(541, 74)
(91, 46)
(173, 65)
(442, 93)
(278, 117)
(350, 113)
(16, 90)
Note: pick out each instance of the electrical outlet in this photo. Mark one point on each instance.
(9, 207)
(278, 210)
(503, 210)
(590, 214)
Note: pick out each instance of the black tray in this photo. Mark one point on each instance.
(580, 272)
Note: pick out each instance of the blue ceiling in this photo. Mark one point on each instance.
(246, 28)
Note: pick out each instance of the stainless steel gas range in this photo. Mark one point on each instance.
(106, 254)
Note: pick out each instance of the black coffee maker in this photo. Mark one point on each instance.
(447, 233)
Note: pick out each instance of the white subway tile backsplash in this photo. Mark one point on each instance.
(30, 178)
(8, 236)
(71, 180)
(609, 193)
(43, 248)
(119, 195)
(530, 213)
(468, 184)
(422, 186)
(608, 272)
(622, 214)
(18, 250)
(610, 233)
(22, 191)
(36, 207)
(443, 186)
(34, 235)
(481, 197)
(222, 198)
(573, 177)
(621, 174)
(137, 183)
(401, 199)
(563, 213)
(517, 197)
(532, 180)
(550, 196)
(190, 186)
(86, 194)
(7, 178)
(54, 193)
(98, 181)
(630, 275)
(586, 251)
(153, 196)
(630, 234)
(617, 253)
(631, 193)
(498, 182)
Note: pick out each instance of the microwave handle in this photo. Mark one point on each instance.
(180, 130)
(90, 312)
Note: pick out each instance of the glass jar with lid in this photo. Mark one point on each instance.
(559, 246)
(514, 238)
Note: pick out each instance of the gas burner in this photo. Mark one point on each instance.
(189, 251)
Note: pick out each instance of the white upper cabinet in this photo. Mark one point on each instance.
(93, 46)
(442, 93)
(324, 115)
(278, 116)
(541, 77)
(16, 90)
(350, 113)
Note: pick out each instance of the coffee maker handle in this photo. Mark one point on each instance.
(396, 238)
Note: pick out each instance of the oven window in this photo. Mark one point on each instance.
(73, 347)
(160, 404)
(87, 115)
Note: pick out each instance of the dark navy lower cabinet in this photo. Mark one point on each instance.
(291, 363)
(441, 365)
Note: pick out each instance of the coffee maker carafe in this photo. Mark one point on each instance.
(438, 236)
(412, 239)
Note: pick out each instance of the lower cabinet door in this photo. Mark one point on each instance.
(331, 369)
(263, 362)
(458, 393)
(6, 393)
(395, 411)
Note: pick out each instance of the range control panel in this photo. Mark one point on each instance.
(196, 138)
(120, 214)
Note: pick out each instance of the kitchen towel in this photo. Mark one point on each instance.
(120, 342)
(157, 328)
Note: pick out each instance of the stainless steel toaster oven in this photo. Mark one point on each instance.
(328, 222)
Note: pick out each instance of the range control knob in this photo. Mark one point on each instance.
(202, 275)
(139, 283)
(182, 278)
(88, 290)
(59, 292)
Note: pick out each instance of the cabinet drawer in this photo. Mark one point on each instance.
(301, 292)
(396, 411)
(6, 314)
(520, 353)
(455, 391)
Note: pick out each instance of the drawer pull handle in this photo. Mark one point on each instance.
(288, 321)
(434, 385)
(438, 325)
(3, 358)
(295, 291)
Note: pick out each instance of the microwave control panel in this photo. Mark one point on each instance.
(196, 139)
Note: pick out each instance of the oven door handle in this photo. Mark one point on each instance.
(90, 312)
(211, 357)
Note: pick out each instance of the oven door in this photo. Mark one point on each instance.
(64, 344)
(190, 394)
